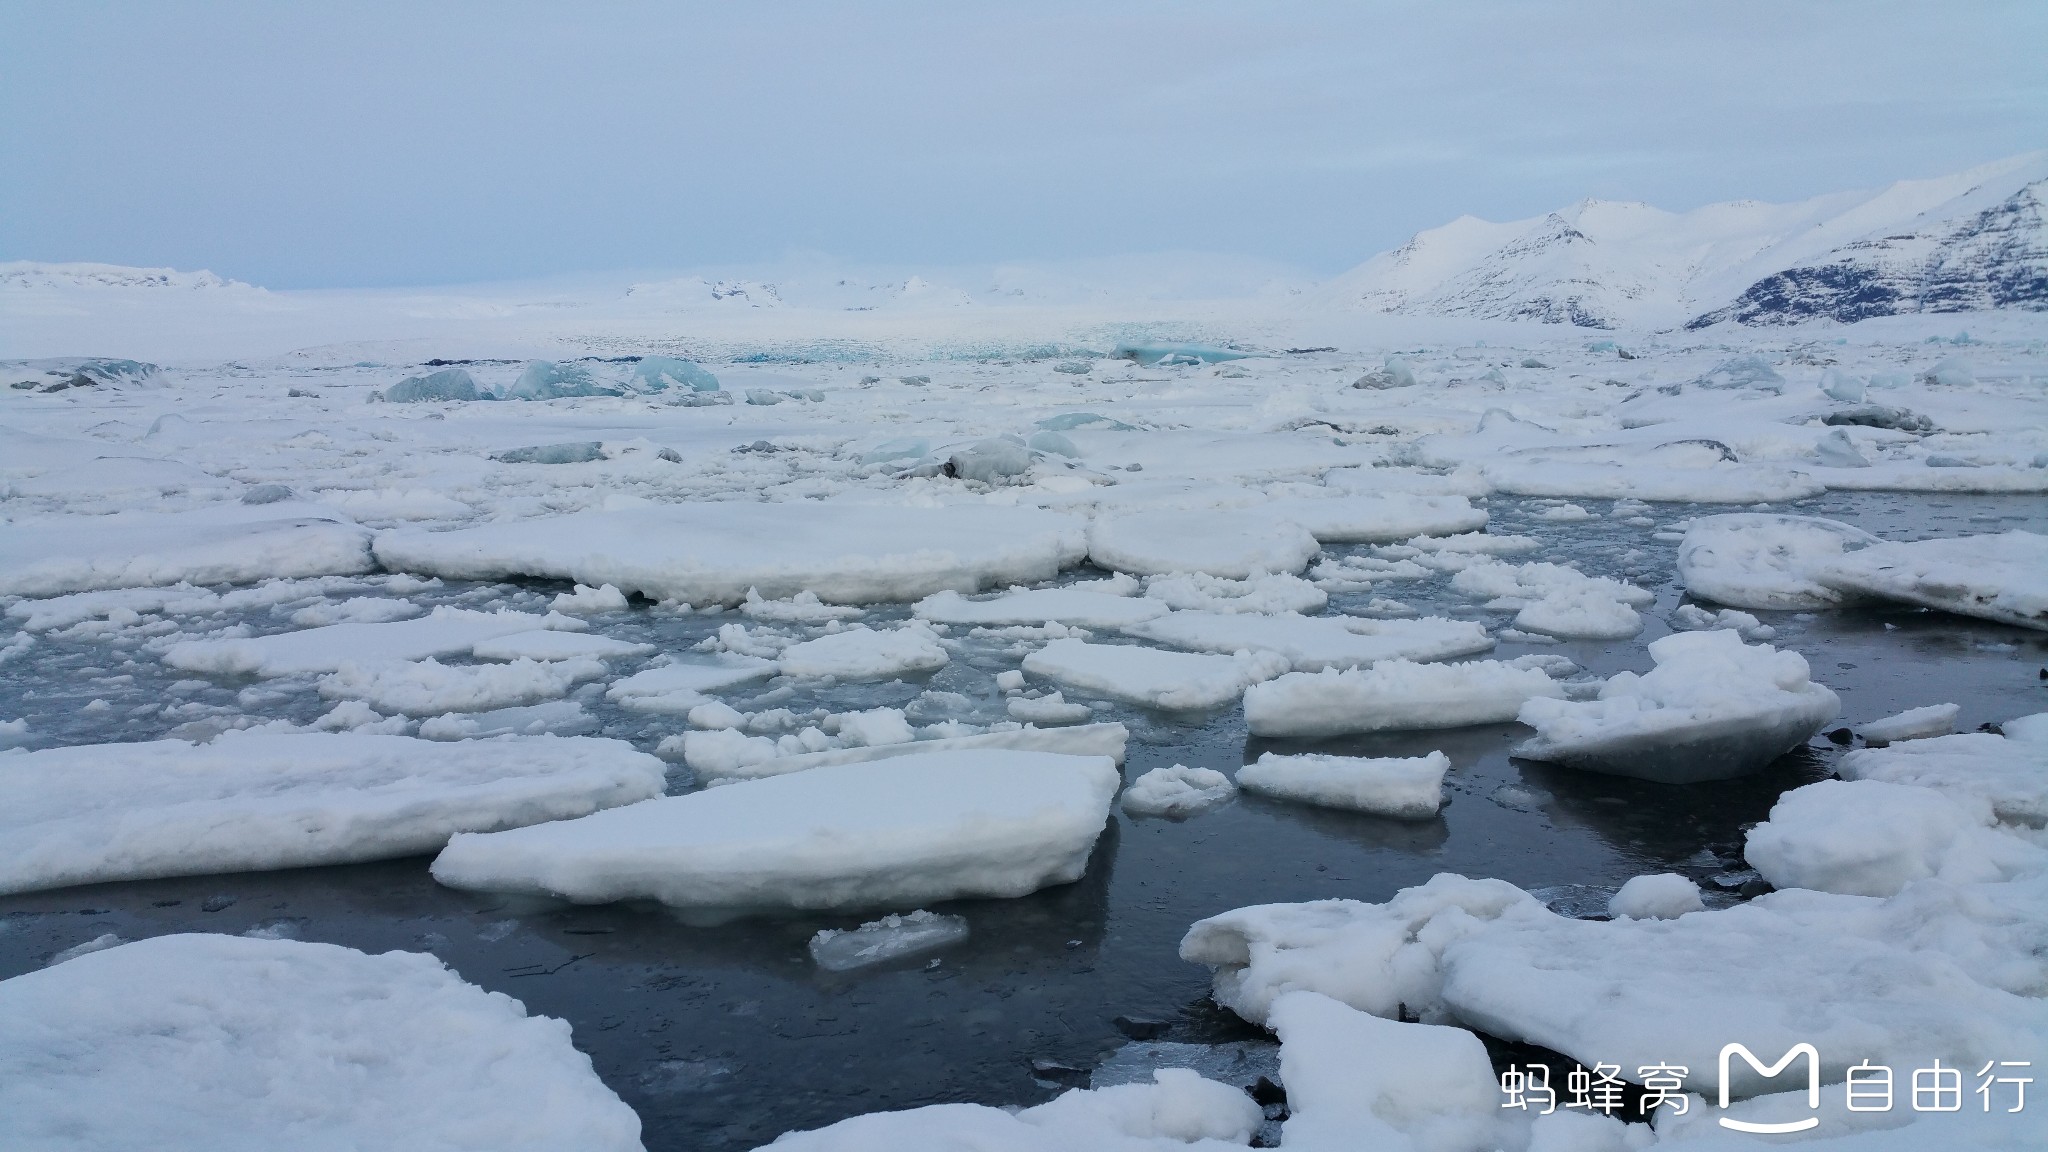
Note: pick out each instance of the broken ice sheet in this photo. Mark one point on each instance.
(890, 938)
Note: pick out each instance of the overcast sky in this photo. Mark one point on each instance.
(302, 145)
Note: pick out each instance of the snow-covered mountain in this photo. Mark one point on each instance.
(36, 275)
(1968, 241)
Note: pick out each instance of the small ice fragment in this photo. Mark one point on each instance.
(1665, 896)
(97, 943)
(588, 601)
(890, 938)
(1177, 792)
(1914, 724)
(1049, 709)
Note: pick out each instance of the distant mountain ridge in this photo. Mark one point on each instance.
(38, 274)
(1973, 240)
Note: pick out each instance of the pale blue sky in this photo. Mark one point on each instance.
(304, 145)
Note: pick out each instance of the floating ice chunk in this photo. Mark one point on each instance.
(1761, 560)
(257, 801)
(1692, 617)
(1177, 792)
(1261, 593)
(1836, 450)
(733, 762)
(447, 384)
(1950, 372)
(2002, 577)
(658, 373)
(1049, 709)
(1397, 372)
(1712, 708)
(204, 1042)
(1473, 543)
(906, 830)
(1233, 542)
(553, 718)
(587, 601)
(705, 553)
(1564, 513)
(1839, 385)
(875, 727)
(546, 380)
(1148, 353)
(552, 644)
(1010, 681)
(899, 448)
(890, 938)
(445, 631)
(804, 607)
(124, 477)
(1663, 896)
(429, 688)
(862, 653)
(677, 688)
(725, 752)
(221, 544)
(2009, 772)
(1393, 695)
(1178, 1110)
(356, 610)
(1557, 600)
(1684, 481)
(13, 733)
(1912, 724)
(1176, 681)
(1871, 838)
(1312, 643)
(1082, 606)
(1742, 372)
(1378, 518)
(1410, 787)
(1584, 611)
(1355, 1081)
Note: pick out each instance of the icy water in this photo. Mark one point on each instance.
(722, 1037)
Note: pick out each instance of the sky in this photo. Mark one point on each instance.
(369, 144)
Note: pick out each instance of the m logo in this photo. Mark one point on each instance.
(1812, 1086)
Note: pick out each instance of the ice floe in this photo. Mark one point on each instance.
(1393, 695)
(1233, 543)
(1912, 724)
(1312, 643)
(2002, 577)
(1662, 896)
(1711, 709)
(2009, 772)
(1175, 681)
(891, 938)
(863, 653)
(1764, 560)
(443, 632)
(903, 831)
(1872, 838)
(716, 552)
(429, 687)
(253, 801)
(223, 544)
(1409, 787)
(1094, 604)
(193, 1042)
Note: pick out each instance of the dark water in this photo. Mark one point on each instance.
(723, 1037)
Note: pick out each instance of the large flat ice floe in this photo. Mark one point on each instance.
(2002, 577)
(1764, 560)
(1312, 643)
(1712, 708)
(2009, 772)
(230, 544)
(1233, 543)
(255, 801)
(1174, 681)
(897, 832)
(1939, 971)
(1393, 695)
(863, 653)
(730, 756)
(706, 553)
(1872, 838)
(1377, 518)
(197, 1043)
(445, 631)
